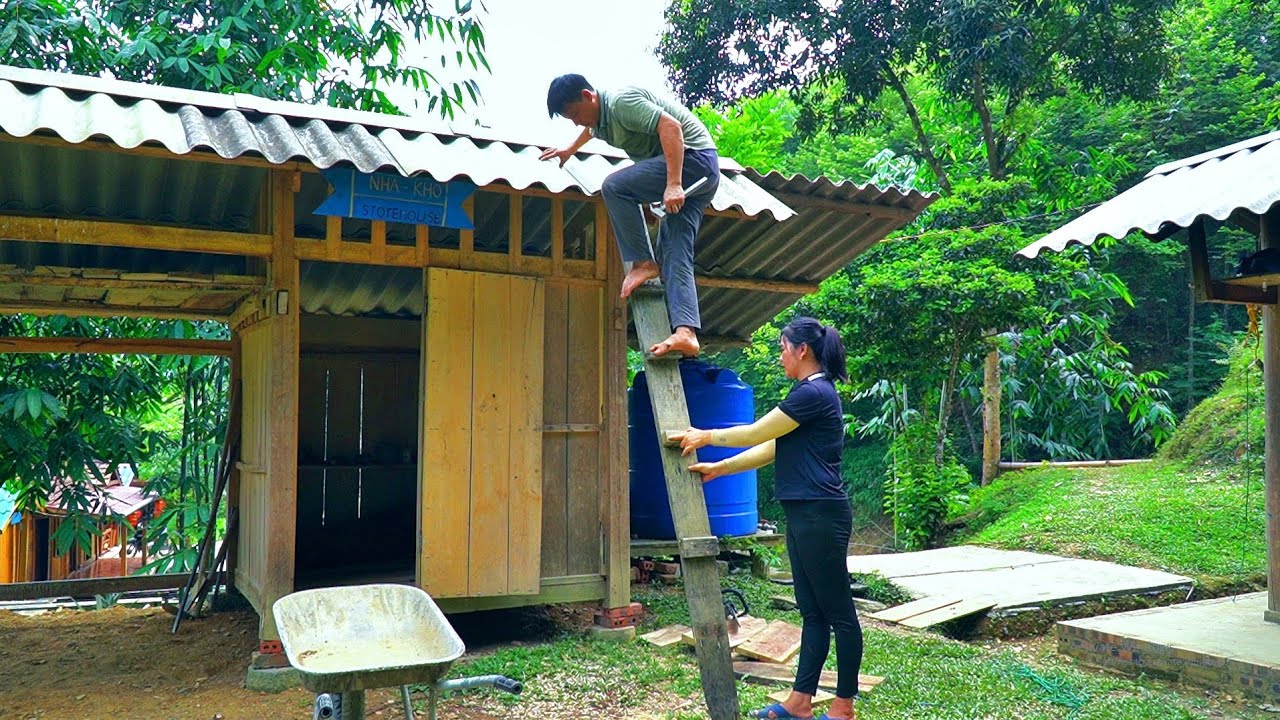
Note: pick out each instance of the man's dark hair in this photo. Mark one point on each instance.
(564, 90)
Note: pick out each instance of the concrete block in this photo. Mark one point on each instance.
(621, 634)
(271, 680)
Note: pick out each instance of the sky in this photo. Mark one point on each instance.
(530, 42)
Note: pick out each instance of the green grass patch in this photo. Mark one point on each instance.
(1204, 522)
(1226, 427)
(927, 677)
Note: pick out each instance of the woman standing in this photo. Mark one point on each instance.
(805, 436)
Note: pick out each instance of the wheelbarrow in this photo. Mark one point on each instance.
(345, 640)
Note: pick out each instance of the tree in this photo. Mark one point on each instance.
(995, 54)
(346, 55)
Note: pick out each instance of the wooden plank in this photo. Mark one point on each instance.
(823, 697)
(490, 441)
(898, 613)
(667, 636)
(585, 358)
(748, 627)
(526, 346)
(689, 511)
(446, 422)
(778, 642)
(88, 587)
(115, 346)
(135, 235)
(764, 673)
(968, 606)
(555, 448)
(700, 547)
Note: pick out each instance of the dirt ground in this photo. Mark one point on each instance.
(125, 663)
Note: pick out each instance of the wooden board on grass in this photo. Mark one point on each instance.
(665, 637)
(822, 698)
(773, 674)
(898, 613)
(961, 609)
(778, 642)
(748, 627)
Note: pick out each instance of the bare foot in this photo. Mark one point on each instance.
(640, 273)
(682, 342)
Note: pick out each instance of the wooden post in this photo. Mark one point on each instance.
(282, 478)
(124, 552)
(689, 511)
(617, 494)
(233, 482)
(1269, 236)
(991, 418)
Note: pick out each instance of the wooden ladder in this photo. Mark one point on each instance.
(698, 547)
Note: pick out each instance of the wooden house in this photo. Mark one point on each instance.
(28, 552)
(417, 403)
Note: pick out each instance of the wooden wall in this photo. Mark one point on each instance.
(573, 422)
(255, 445)
(480, 492)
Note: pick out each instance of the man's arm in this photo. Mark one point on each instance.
(671, 135)
(565, 153)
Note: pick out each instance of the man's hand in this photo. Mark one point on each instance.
(563, 153)
(673, 198)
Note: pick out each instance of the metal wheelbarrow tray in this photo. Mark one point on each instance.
(347, 639)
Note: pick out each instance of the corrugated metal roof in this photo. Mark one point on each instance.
(130, 114)
(832, 224)
(1243, 176)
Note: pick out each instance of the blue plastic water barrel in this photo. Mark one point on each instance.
(717, 398)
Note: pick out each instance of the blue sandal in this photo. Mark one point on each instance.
(777, 712)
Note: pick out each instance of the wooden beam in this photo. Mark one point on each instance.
(282, 391)
(98, 310)
(115, 346)
(1268, 237)
(101, 278)
(135, 235)
(796, 201)
(789, 287)
(1071, 464)
(88, 587)
(615, 497)
(1229, 293)
(1201, 282)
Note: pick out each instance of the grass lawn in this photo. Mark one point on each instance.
(928, 677)
(1204, 522)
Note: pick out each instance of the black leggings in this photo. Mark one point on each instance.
(818, 544)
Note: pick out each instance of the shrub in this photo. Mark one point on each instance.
(920, 493)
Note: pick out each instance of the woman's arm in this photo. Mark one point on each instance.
(772, 426)
(756, 457)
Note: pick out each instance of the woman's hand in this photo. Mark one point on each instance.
(690, 440)
(709, 471)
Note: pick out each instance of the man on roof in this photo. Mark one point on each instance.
(672, 152)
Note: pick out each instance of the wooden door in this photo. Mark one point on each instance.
(480, 490)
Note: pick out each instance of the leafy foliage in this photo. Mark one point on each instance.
(342, 54)
(919, 491)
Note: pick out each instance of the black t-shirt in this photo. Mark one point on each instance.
(808, 458)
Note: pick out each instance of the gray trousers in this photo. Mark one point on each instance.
(644, 182)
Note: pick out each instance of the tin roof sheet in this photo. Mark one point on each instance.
(1243, 176)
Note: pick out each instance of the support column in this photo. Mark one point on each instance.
(283, 310)
(617, 495)
(1269, 236)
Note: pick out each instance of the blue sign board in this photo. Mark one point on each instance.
(395, 198)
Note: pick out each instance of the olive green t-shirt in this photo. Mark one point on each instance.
(629, 122)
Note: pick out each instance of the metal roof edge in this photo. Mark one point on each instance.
(1221, 152)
